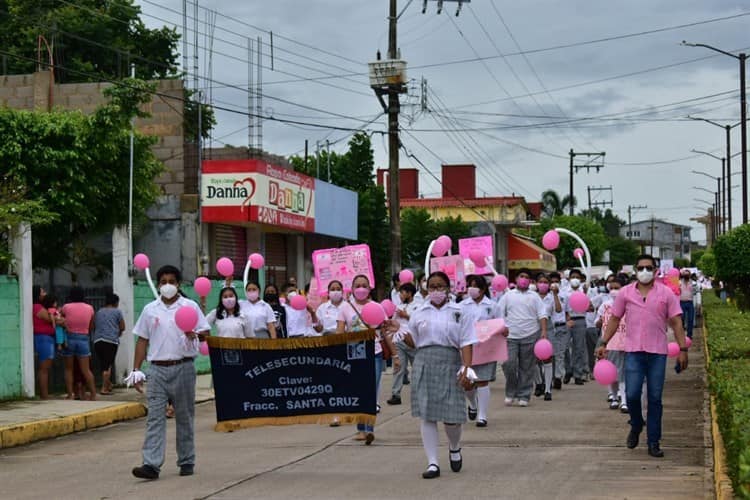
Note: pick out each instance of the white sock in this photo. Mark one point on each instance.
(623, 396)
(613, 389)
(430, 441)
(454, 438)
(471, 397)
(547, 368)
(483, 395)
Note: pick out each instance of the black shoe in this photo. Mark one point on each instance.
(369, 438)
(548, 396)
(145, 472)
(539, 390)
(481, 423)
(579, 381)
(654, 450)
(567, 378)
(395, 400)
(456, 464)
(633, 436)
(187, 470)
(557, 383)
(432, 472)
(472, 413)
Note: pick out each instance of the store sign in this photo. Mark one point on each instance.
(255, 191)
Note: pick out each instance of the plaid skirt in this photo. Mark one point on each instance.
(435, 393)
(618, 359)
(485, 371)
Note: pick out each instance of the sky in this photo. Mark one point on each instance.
(539, 81)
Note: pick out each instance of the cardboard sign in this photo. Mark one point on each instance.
(492, 346)
(481, 243)
(453, 266)
(342, 264)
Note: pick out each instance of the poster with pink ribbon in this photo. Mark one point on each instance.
(482, 244)
(342, 264)
(453, 266)
(492, 346)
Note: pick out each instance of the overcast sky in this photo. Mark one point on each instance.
(508, 110)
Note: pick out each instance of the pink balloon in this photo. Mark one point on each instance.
(298, 302)
(673, 349)
(389, 307)
(579, 302)
(140, 261)
(551, 240)
(225, 266)
(450, 269)
(441, 247)
(578, 253)
(256, 260)
(373, 314)
(406, 276)
(478, 258)
(202, 286)
(186, 318)
(605, 372)
(543, 349)
(499, 283)
(203, 348)
(688, 342)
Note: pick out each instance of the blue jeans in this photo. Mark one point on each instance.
(652, 367)
(688, 316)
(378, 374)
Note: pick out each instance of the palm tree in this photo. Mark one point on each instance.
(554, 205)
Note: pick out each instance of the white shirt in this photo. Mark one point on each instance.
(573, 314)
(297, 323)
(559, 317)
(410, 309)
(549, 303)
(328, 315)
(237, 327)
(419, 299)
(258, 314)
(522, 312)
(602, 307)
(166, 341)
(441, 327)
(396, 297)
(477, 311)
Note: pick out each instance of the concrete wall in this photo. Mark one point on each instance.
(11, 372)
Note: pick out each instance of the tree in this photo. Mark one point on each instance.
(77, 167)
(554, 205)
(93, 40)
(417, 231)
(454, 227)
(707, 263)
(621, 251)
(609, 221)
(591, 233)
(732, 257)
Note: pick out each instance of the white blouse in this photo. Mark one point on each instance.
(446, 326)
(238, 327)
(328, 315)
(259, 314)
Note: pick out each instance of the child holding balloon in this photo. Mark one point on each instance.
(616, 346)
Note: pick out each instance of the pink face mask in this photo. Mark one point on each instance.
(474, 292)
(361, 293)
(228, 302)
(523, 283)
(253, 296)
(542, 287)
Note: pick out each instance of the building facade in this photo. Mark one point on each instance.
(662, 239)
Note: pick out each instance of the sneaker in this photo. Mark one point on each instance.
(624, 408)
(509, 401)
(613, 405)
(146, 472)
(523, 403)
(557, 383)
(548, 396)
(187, 470)
(395, 400)
(610, 397)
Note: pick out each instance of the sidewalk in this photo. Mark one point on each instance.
(24, 422)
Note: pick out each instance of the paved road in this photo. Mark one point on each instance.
(571, 447)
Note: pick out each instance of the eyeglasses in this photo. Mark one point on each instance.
(644, 268)
(434, 288)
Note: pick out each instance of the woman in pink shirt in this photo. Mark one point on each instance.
(79, 321)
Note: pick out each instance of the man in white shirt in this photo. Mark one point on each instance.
(577, 326)
(526, 320)
(171, 376)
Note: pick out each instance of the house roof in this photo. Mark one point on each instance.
(470, 202)
(660, 221)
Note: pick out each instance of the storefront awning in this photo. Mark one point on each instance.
(524, 253)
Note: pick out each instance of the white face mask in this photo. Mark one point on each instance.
(645, 277)
(168, 291)
(575, 282)
(335, 296)
(614, 293)
(532, 287)
(291, 294)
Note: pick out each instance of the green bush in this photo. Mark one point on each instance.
(730, 383)
(729, 330)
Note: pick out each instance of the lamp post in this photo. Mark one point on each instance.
(717, 213)
(711, 217)
(743, 119)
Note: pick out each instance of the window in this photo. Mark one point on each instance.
(634, 234)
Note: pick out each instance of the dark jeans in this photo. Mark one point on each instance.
(688, 316)
(652, 367)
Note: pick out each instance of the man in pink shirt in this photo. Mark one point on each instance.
(650, 307)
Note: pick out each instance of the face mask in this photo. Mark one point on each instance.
(253, 296)
(523, 283)
(438, 297)
(575, 282)
(614, 293)
(230, 302)
(291, 294)
(168, 291)
(532, 287)
(603, 289)
(271, 297)
(645, 277)
(543, 287)
(335, 296)
(361, 293)
(474, 292)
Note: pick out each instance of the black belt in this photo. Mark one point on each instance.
(577, 317)
(172, 362)
(562, 323)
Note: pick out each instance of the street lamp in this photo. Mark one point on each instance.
(718, 193)
(743, 118)
(712, 210)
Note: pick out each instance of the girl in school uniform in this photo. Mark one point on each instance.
(228, 317)
(328, 312)
(350, 320)
(478, 306)
(258, 312)
(443, 337)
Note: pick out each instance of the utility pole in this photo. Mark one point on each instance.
(328, 159)
(588, 166)
(652, 236)
(630, 217)
(743, 132)
(600, 203)
(394, 202)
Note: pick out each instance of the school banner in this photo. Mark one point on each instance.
(293, 381)
(342, 264)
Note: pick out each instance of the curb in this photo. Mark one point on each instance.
(38, 430)
(722, 484)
